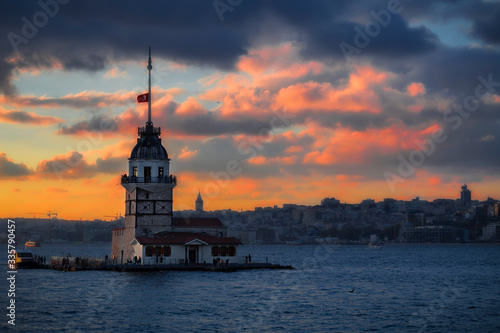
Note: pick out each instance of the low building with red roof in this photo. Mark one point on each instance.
(185, 247)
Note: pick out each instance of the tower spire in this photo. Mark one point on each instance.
(149, 89)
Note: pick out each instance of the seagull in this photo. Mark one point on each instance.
(351, 291)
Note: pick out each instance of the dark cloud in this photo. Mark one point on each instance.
(23, 117)
(82, 38)
(11, 169)
(73, 165)
(212, 124)
(397, 39)
(98, 123)
(111, 165)
(70, 165)
(80, 101)
(488, 27)
(212, 156)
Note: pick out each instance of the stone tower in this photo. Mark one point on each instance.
(149, 187)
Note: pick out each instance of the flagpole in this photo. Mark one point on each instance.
(149, 88)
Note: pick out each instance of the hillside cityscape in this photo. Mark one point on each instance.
(415, 221)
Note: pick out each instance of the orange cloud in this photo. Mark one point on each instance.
(260, 160)
(187, 154)
(416, 88)
(190, 107)
(349, 146)
(294, 149)
(434, 181)
(357, 96)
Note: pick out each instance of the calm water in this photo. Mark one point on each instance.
(426, 288)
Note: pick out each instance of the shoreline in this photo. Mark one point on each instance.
(158, 268)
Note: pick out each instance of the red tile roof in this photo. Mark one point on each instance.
(186, 237)
(186, 222)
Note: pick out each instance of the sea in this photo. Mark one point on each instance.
(399, 288)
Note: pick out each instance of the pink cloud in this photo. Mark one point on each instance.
(190, 107)
(356, 96)
(416, 88)
(348, 146)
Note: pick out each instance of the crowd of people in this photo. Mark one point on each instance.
(218, 262)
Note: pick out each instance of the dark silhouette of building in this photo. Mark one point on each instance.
(465, 196)
(199, 203)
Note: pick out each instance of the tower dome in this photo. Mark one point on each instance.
(149, 145)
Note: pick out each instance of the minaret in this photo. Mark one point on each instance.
(148, 184)
(199, 203)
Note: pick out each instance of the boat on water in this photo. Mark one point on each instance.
(32, 243)
(376, 246)
(24, 259)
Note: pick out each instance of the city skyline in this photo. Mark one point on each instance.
(375, 100)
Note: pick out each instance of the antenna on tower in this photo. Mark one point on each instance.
(149, 89)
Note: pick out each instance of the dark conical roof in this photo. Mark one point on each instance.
(149, 144)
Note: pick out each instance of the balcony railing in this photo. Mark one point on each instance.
(149, 130)
(153, 180)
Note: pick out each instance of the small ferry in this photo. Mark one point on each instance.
(32, 243)
(24, 259)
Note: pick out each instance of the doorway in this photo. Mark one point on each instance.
(193, 251)
(147, 174)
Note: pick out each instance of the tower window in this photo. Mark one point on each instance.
(160, 172)
(134, 171)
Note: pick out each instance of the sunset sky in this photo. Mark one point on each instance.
(260, 102)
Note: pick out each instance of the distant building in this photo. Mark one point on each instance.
(433, 234)
(415, 205)
(330, 202)
(465, 196)
(390, 205)
(367, 203)
(492, 232)
(199, 203)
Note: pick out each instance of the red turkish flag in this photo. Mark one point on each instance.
(143, 98)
